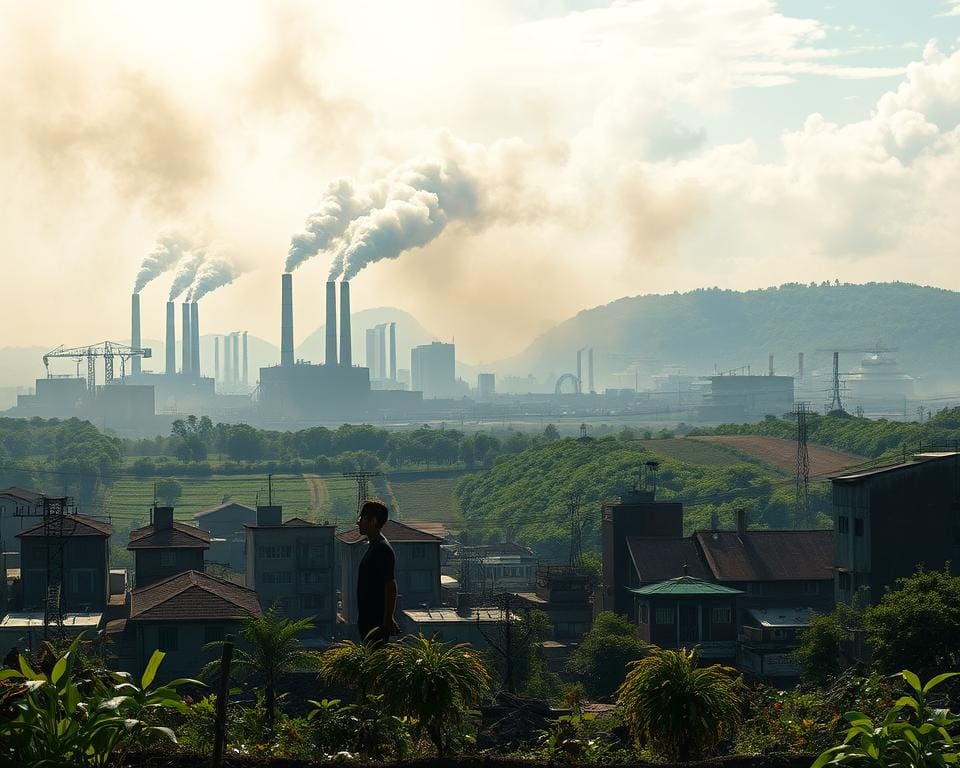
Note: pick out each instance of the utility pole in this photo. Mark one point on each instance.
(363, 483)
(802, 490)
(511, 643)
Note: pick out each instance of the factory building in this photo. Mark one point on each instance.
(432, 368)
(747, 398)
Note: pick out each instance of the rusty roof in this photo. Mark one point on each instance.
(21, 493)
(662, 558)
(193, 596)
(765, 555)
(393, 532)
(74, 525)
(180, 536)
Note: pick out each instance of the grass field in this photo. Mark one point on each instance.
(426, 495)
(782, 454)
(693, 451)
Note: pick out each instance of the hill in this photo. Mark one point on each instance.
(710, 329)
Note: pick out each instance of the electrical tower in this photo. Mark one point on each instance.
(363, 485)
(577, 522)
(55, 530)
(802, 493)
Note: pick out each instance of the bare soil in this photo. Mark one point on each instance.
(782, 454)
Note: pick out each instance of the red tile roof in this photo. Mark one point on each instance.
(768, 555)
(180, 536)
(74, 525)
(659, 559)
(193, 596)
(392, 531)
(21, 493)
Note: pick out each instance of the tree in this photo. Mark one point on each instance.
(821, 651)
(434, 682)
(270, 648)
(243, 443)
(917, 624)
(681, 709)
(351, 665)
(169, 491)
(194, 436)
(601, 659)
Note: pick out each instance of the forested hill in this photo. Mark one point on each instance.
(711, 327)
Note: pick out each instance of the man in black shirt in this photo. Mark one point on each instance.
(376, 583)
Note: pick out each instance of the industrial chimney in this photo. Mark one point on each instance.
(171, 343)
(393, 351)
(226, 361)
(194, 340)
(346, 342)
(236, 357)
(216, 359)
(771, 364)
(286, 319)
(135, 332)
(330, 353)
(590, 388)
(186, 336)
(246, 375)
(579, 371)
(800, 364)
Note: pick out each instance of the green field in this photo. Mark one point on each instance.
(694, 451)
(426, 495)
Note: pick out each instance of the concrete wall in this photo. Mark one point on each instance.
(153, 565)
(85, 563)
(188, 657)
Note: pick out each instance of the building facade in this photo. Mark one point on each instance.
(433, 370)
(166, 547)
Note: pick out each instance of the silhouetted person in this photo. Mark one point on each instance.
(376, 580)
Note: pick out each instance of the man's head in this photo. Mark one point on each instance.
(373, 515)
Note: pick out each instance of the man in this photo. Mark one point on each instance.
(376, 582)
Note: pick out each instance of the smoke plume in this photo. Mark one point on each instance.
(186, 272)
(211, 275)
(167, 252)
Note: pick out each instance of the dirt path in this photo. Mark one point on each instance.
(319, 495)
(782, 454)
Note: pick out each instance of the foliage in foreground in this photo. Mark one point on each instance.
(600, 661)
(62, 717)
(679, 709)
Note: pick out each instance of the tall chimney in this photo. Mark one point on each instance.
(346, 342)
(216, 359)
(286, 319)
(185, 356)
(195, 340)
(226, 361)
(330, 353)
(771, 364)
(393, 351)
(246, 374)
(579, 371)
(800, 364)
(235, 355)
(382, 350)
(170, 348)
(135, 332)
(590, 388)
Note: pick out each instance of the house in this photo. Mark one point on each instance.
(564, 593)
(769, 638)
(166, 547)
(179, 615)
(417, 566)
(889, 520)
(686, 611)
(225, 524)
(82, 544)
(19, 509)
(497, 568)
(292, 567)
(476, 626)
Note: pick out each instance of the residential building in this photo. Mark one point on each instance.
(417, 567)
(454, 625)
(433, 368)
(224, 523)
(19, 509)
(166, 547)
(292, 567)
(486, 385)
(497, 568)
(892, 519)
(768, 641)
(564, 593)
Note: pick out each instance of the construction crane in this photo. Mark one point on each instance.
(108, 350)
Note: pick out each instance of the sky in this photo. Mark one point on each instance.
(491, 167)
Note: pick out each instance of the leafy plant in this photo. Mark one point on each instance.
(61, 719)
(912, 734)
(680, 709)
(353, 665)
(366, 730)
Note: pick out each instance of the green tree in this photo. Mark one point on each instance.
(243, 443)
(917, 624)
(194, 435)
(169, 491)
(822, 643)
(354, 666)
(679, 708)
(435, 683)
(600, 661)
(269, 648)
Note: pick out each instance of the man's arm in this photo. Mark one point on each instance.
(389, 626)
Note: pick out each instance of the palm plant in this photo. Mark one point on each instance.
(681, 709)
(352, 665)
(270, 648)
(433, 682)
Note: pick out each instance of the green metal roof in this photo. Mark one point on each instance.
(685, 585)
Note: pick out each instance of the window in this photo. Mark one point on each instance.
(314, 552)
(845, 582)
(274, 550)
(213, 633)
(664, 615)
(843, 524)
(858, 526)
(312, 577)
(721, 614)
(811, 587)
(168, 558)
(277, 577)
(643, 614)
(168, 639)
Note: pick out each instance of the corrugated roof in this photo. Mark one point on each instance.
(919, 458)
(23, 494)
(74, 525)
(659, 559)
(782, 617)
(685, 585)
(226, 505)
(764, 555)
(392, 531)
(193, 596)
(180, 536)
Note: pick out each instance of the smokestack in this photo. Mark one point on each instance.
(286, 319)
(135, 332)
(579, 371)
(171, 344)
(771, 365)
(372, 353)
(226, 360)
(195, 340)
(393, 351)
(330, 355)
(186, 336)
(246, 375)
(382, 350)
(590, 370)
(216, 359)
(800, 364)
(235, 356)
(346, 342)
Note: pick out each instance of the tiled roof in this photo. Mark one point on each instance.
(74, 525)
(247, 511)
(685, 585)
(768, 555)
(659, 559)
(180, 536)
(298, 522)
(193, 596)
(393, 531)
(21, 493)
